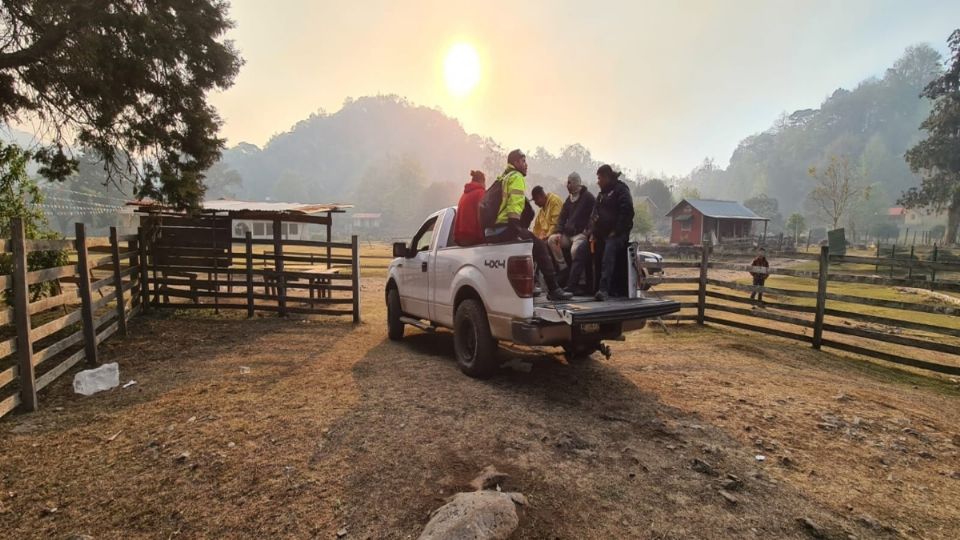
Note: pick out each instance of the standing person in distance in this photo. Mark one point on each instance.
(759, 278)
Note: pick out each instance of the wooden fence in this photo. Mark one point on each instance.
(808, 311)
(95, 297)
(191, 263)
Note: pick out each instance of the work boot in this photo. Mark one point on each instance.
(601, 295)
(559, 294)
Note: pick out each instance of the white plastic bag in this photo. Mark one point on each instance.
(91, 381)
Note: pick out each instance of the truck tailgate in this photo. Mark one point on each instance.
(587, 310)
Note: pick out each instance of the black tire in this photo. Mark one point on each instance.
(394, 311)
(473, 345)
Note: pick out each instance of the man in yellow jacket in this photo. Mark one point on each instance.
(546, 222)
(509, 229)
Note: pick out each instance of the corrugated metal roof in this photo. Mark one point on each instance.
(227, 205)
(222, 205)
(720, 209)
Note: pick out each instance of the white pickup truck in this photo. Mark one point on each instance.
(485, 293)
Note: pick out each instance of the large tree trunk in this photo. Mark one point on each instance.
(953, 221)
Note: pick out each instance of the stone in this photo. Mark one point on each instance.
(489, 478)
(728, 496)
(477, 515)
(732, 483)
(91, 381)
(519, 499)
(703, 467)
(812, 528)
(342, 532)
(182, 457)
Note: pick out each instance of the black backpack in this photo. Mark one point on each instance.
(490, 205)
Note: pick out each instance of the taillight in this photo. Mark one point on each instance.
(520, 274)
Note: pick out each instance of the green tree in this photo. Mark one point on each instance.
(766, 206)
(642, 220)
(129, 79)
(937, 158)
(796, 224)
(658, 192)
(690, 192)
(20, 197)
(837, 188)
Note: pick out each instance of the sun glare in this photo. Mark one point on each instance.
(461, 69)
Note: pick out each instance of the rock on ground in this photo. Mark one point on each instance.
(478, 515)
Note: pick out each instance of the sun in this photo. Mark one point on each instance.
(461, 69)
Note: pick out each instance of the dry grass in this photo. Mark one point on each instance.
(335, 426)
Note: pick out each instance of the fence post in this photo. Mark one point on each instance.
(86, 298)
(249, 247)
(702, 290)
(132, 262)
(910, 268)
(144, 275)
(329, 230)
(876, 269)
(118, 281)
(893, 257)
(21, 312)
(355, 269)
(278, 266)
(933, 271)
(821, 296)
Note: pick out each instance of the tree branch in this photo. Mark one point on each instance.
(35, 51)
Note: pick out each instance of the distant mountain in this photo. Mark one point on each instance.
(323, 157)
(873, 125)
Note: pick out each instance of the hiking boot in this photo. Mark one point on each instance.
(559, 294)
(601, 295)
(537, 291)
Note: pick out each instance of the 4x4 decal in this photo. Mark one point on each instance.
(494, 264)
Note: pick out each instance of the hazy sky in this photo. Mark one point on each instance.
(652, 85)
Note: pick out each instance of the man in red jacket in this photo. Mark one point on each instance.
(466, 224)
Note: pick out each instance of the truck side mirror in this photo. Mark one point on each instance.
(400, 250)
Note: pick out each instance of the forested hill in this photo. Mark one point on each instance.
(382, 154)
(873, 125)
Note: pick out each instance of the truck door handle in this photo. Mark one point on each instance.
(423, 267)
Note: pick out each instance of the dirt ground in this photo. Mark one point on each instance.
(303, 428)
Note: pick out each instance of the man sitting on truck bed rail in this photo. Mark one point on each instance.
(572, 222)
(507, 227)
(549, 204)
(466, 223)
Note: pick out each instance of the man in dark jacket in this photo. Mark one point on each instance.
(466, 222)
(573, 221)
(610, 226)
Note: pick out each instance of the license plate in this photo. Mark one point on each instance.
(589, 328)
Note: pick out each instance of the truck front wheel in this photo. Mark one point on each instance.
(394, 309)
(474, 346)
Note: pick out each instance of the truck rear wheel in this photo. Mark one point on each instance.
(474, 346)
(394, 310)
